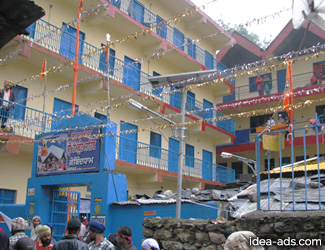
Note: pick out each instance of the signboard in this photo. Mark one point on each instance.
(272, 142)
(69, 152)
(98, 217)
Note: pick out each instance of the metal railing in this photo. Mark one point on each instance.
(302, 80)
(152, 156)
(297, 185)
(25, 121)
(144, 16)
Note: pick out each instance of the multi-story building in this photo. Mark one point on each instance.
(147, 38)
(308, 61)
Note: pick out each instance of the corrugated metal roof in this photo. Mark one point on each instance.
(299, 168)
(149, 202)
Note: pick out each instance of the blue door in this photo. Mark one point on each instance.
(162, 29)
(65, 205)
(20, 94)
(207, 165)
(190, 101)
(209, 60)
(191, 47)
(176, 98)
(189, 155)
(136, 11)
(31, 29)
(157, 91)
(173, 147)
(111, 61)
(131, 73)
(68, 42)
(209, 113)
(128, 143)
(61, 108)
(178, 39)
(155, 145)
(281, 75)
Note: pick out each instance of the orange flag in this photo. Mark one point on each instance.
(288, 95)
(43, 72)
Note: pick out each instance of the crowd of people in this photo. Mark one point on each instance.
(79, 236)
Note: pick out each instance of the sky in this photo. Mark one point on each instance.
(242, 11)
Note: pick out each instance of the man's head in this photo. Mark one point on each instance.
(74, 225)
(25, 243)
(50, 226)
(8, 84)
(124, 234)
(44, 233)
(94, 228)
(18, 224)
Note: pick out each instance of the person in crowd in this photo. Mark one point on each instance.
(6, 97)
(270, 122)
(150, 244)
(25, 243)
(259, 85)
(313, 80)
(35, 235)
(36, 221)
(123, 238)
(18, 227)
(98, 241)
(71, 241)
(281, 119)
(267, 85)
(112, 238)
(52, 231)
(240, 240)
(44, 234)
(4, 240)
(82, 232)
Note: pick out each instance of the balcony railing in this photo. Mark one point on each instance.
(129, 74)
(278, 85)
(25, 121)
(148, 155)
(136, 10)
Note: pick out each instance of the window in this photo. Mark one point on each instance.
(301, 158)
(189, 155)
(319, 71)
(7, 196)
(155, 144)
(257, 121)
(266, 164)
(286, 161)
(238, 167)
(320, 110)
(267, 88)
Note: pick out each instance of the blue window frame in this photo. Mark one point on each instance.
(31, 29)
(136, 11)
(191, 47)
(128, 143)
(131, 73)
(189, 155)
(190, 101)
(209, 60)
(178, 39)
(111, 61)
(207, 165)
(173, 148)
(68, 42)
(61, 108)
(176, 98)
(20, 94)
(155, 144)
(157, 91)
(162, 29)
(7, 196)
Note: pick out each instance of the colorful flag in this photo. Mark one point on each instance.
(43, 72)
(288, 96)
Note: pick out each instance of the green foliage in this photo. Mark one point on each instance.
(254, 38)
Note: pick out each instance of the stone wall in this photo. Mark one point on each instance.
(174, 234)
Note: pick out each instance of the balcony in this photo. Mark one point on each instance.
(300, 81)
(126, 73)
(136, 152)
